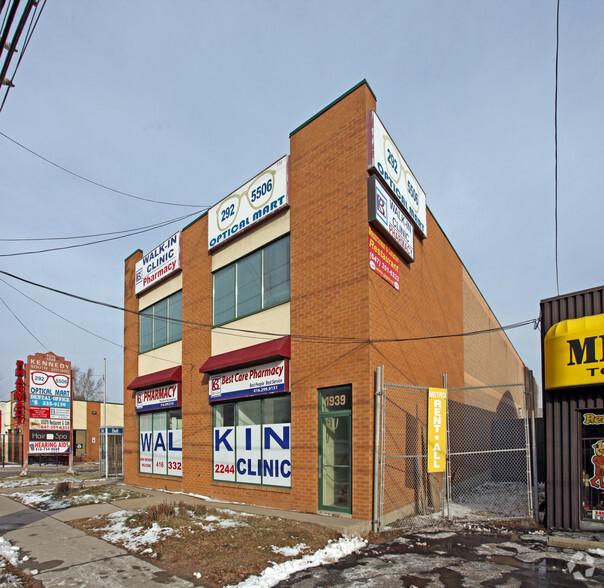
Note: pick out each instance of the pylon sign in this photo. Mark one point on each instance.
(49, 387)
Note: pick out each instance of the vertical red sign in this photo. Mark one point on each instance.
(382, 259)
(20, 393)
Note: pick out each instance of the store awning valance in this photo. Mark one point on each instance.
(173, 374)
(263, 352)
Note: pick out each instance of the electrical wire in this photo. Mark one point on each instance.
(315, 338)
(32, 27)
(94, 183)
(23, 324)
(153, 226)
(134, 232)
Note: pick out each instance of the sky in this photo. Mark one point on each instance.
(183, 102)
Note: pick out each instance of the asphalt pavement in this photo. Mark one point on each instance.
(60, 555)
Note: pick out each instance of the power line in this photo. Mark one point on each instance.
(133, 232)
(23, 324)
(315, 338)
(98, 184)
(153, 226)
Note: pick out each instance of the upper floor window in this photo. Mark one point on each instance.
(160, 323)
(254, 282)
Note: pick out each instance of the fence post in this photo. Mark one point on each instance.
(447, 481)
(376, 523)
(533, 448)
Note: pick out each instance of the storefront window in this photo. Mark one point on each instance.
(161, 442)
(252, 441)
(592, 479)
(253, 283)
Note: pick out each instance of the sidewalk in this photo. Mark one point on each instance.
(64, 556)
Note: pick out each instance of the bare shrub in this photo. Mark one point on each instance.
(61, 490)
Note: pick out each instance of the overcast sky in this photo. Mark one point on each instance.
(185, 101)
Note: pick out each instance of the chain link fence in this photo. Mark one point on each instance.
(488, 457)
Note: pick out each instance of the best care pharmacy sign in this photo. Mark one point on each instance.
(253, 203)
(158, 264)
(268, 378)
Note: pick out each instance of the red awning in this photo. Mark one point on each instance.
(173, 374)
(271, 350)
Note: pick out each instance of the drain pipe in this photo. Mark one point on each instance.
(376, 523)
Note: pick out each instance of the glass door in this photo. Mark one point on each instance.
(335, 450)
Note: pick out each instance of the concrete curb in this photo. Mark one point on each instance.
(578, 544)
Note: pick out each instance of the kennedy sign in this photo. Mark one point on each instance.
(158, 264)
(388, 161)
(253, 203)
(267, 378)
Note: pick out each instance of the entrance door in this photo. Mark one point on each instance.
(335, 449)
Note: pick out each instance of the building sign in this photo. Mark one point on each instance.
(267, 378)
(161, 397)
(253, 203)
(19, 407)
(389, 163)
(50, 393)
(158, 264)
(253, 454)
(574, 352)
(160, 450)
(437, 429)
(388, 218)
(111, 431)
(382, 260)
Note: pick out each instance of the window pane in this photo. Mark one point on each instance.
(224, 415)
(249, 294)
(146, 330)
(175, 312)
(224, 295)
(276, 410)
(276, 273)
(160, 325)
(248, 413)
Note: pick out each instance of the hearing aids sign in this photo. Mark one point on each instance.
(388, 161)
(253, 203)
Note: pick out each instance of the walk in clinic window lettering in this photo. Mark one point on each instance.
(252, 442)
(160, 442)
(158, 264)
(251, 204)
(389, 163)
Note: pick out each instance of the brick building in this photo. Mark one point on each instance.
(284, 298)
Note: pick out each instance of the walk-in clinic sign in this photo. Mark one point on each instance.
(437, 429)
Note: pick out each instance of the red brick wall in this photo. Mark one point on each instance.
(334, 294)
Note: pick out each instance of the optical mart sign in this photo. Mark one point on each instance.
(388, 161)
(160, 397)
(574, 352)
(386, 216)
(253, 203)
(158, 264)
(268, 378)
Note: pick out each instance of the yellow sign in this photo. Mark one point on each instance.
(573, 352)
(437, 429)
